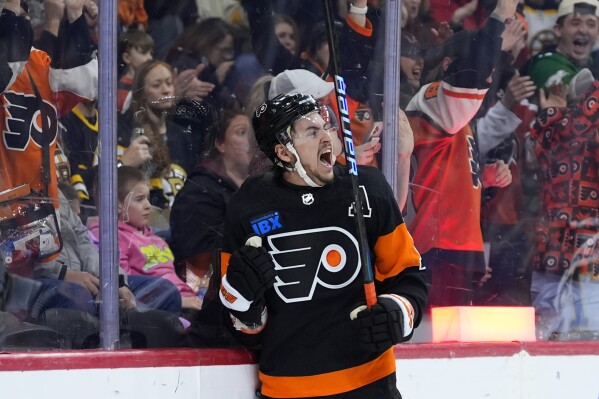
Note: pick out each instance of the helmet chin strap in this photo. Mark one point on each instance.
(300, 168)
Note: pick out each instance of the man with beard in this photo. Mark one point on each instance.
(576, 29)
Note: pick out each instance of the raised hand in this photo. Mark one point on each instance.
(518, 88)
(188, 85)
(464, 12)
(556, 97)
(512, 35)
(74, 9)
(505, 8)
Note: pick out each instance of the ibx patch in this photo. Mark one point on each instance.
(266, 223)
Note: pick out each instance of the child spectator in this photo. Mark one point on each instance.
(142, 252)
(134, 48)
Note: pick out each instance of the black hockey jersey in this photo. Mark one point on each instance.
(309, 345)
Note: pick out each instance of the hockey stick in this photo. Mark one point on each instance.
(350, 156)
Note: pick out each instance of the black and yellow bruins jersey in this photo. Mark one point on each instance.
(309, 345)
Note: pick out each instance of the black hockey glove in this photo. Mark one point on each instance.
(250, 273)
(387, 323)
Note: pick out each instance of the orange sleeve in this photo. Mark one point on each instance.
(395, 252)
(363, 30)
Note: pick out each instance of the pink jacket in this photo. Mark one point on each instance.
(144, 253)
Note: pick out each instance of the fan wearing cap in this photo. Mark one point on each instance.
(294, 287)
(576, 29)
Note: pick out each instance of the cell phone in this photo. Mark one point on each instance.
(377, 129)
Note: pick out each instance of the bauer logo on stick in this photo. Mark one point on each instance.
(347, 135)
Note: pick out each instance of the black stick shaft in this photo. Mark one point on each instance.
(350, 156)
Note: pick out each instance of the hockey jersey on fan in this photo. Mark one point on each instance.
(446, 189)
(446, 185)
(61, 88)
(311, 235)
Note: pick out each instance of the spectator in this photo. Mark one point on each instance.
(199, 208)
(447, 232)
(198, 214)
(576, 29)
(167, 19)
(141, 253)
(506, 221)
(172, 147)
(65, 75)
(564, 280)
(80, 139)
(78, 262)
(286, 32)
(134, 48)
(209, 43)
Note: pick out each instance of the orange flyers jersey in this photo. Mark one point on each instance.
(446, 187)
(21, 123)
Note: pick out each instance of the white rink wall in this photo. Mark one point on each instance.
(464, 371)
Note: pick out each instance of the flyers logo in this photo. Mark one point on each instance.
(326, 257)
(24, 121)
(473, 157)
(432, 91)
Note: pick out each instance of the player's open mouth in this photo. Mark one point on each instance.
(326, 158)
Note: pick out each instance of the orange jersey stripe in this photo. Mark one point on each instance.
(455, 94)
(329, 383)
(389, 261)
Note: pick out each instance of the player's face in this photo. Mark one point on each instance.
(158, 88)
(315, 148)
(577, 36)
(235, 147)
(135, 209)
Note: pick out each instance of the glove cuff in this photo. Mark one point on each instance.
(407, 311)
(231, 298)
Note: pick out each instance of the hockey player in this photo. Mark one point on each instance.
(293, 295)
